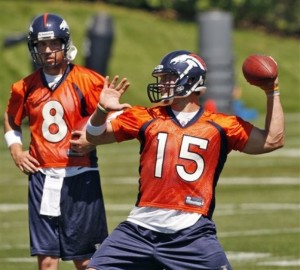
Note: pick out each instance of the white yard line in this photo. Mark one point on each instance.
(259, 232)
(284, 152)
(282, 263)
(20, 260)
(244, 256)
(232, 256)
(223, 181)
(9, 207)
(6, 207)
(284, 180)
(25, 260)
(259, 181)
(16, 246)
(265, 259)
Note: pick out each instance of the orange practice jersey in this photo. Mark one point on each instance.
(180, 166)
(53, 114)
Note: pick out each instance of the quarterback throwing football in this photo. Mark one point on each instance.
(183, 149)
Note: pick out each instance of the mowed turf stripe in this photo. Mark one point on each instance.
(6, 207)
(285, 181)
(232, 256)
(259, 232)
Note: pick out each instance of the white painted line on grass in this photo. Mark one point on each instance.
(283, 263)
(242, 256)
(252, 256)
(285, 181)
(16, 246)
(253, 209)
(232, 256)
(259, 232)
(229, 207)
(9, 207)
(25, 260)
(259, 206)
(21, 260)
(284, 152)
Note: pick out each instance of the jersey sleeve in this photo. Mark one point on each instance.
(237, 131)
(127, 125)
(19, 93)
(15, 107)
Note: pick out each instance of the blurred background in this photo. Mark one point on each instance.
(130, 37)
(258, 205)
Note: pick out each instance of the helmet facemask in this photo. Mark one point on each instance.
(38, 57)
(163, 90)
(185, 70)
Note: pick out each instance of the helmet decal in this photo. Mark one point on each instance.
(189, 60)
(64, 26)
(45, 19)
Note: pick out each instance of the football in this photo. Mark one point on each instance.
(260, 70)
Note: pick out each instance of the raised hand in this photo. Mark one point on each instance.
(110, 96)
(270, 87)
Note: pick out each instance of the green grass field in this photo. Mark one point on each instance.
(258, 197)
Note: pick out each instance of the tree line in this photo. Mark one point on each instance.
(273, 16)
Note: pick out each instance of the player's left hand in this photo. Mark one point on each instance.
(79, 144)
(271, 87)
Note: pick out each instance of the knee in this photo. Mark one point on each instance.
(81, 265)
(47, 262)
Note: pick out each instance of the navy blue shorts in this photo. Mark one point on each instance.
(80, 228)
(132, 247)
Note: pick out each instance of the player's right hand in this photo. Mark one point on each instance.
(111, 93)
(25, 162)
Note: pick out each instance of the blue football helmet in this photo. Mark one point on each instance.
(46, 27)
(188, 69)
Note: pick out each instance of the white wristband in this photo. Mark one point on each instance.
(95, 130)
(13, 136)
(273, 93)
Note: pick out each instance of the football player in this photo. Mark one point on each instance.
(183, 151)
(66, 210)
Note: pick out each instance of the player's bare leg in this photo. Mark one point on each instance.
(47, 262)
(81, 264)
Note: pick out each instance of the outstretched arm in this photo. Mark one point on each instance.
(272, 136)
(99, 130)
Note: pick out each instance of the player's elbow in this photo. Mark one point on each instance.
(275, 142)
